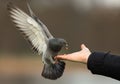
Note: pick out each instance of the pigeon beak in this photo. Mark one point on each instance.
(66, 46)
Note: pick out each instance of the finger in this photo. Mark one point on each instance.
(62, 57)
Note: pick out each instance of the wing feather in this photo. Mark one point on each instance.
(30, 28)
(48, 34)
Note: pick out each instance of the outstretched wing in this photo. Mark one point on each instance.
(30, 27)
(48, 34)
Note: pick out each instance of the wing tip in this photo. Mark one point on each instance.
(9, 6)
(30, 10)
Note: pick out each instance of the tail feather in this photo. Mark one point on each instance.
(53, 71)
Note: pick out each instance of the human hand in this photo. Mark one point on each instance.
(80, 56)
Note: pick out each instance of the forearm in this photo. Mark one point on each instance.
(104, 64)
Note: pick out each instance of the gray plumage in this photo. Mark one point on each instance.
(41, 39)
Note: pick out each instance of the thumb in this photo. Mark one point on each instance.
(83, 46)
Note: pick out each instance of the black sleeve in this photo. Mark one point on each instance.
(104, 64)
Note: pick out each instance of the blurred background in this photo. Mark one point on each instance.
(95, 23)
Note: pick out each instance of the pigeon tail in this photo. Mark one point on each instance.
(53, 71)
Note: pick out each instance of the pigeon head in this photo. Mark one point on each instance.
(56, 44)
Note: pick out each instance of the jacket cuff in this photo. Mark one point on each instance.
(96, 62)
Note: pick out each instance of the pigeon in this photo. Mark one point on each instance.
(46, 45)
